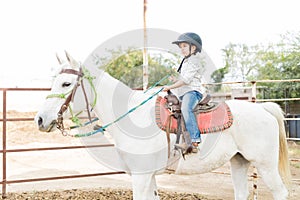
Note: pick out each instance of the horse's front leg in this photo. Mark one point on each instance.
(144, 187)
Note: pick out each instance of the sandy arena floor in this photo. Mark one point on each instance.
(23, 165)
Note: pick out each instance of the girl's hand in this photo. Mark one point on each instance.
(173, 79)
(166, 89)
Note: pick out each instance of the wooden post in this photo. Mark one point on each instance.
(253, 91)
(145, 53)
(254, 176)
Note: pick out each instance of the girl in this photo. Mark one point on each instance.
(189, 86)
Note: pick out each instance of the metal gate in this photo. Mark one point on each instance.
(4, 151)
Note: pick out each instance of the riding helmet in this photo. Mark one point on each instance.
(190, 38)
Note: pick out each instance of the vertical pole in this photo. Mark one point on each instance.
(286, 108)
(4, 146)
(254, 176)
(253, 91)
(145, 53)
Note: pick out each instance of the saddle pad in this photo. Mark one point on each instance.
(215, 120)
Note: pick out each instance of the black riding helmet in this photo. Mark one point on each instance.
(190, 38)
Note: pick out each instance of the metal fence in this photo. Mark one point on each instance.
(4, 151)
(293, 121)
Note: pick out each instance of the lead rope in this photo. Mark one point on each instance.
(102, 129)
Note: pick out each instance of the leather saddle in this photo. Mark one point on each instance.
(211, 116)
(174, 105)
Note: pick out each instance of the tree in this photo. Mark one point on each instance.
(126, 66)
(274, 61)
(218, 76)
(282, 61)
(240, 61)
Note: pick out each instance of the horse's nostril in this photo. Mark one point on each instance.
(40, 121)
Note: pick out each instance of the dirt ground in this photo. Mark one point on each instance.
(213, 185)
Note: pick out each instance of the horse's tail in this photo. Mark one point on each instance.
(284, 165)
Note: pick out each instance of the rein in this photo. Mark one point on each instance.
(102, 128)
(69, 96)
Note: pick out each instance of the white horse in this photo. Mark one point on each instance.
(257, 135)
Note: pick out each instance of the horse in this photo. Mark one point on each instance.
(257, 135)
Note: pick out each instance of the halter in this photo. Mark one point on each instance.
(69, 97)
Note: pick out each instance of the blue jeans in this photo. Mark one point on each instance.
(189, 101)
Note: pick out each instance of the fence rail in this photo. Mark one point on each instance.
(4, 149)
(5, 119)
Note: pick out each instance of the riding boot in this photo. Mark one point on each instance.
(186, 146)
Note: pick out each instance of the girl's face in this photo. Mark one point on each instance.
(185, 49)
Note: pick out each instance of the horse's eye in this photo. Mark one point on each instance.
(66, 84)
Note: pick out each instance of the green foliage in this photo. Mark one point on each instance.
(282, 61)
(241, 61)
(127, 66)
(218, 75)
(272, 62)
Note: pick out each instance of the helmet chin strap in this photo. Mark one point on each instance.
(190, 51)
(186, 57)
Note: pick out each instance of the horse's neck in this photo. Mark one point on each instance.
(112, 97)
(116, 101)
(133, 128)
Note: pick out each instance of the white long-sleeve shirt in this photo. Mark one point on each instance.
(191, 74)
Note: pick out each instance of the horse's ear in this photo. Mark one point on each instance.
(71, 60)
(59, 59)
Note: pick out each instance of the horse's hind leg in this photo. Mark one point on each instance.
(272, 179)
(239, 169)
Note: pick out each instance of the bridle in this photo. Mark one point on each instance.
(69, 97)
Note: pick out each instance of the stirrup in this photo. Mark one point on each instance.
(186, 149)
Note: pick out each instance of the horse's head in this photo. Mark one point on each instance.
(64, 89)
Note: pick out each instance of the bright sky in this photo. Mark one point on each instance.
(32, 31)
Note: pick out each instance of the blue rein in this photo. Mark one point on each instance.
(102, 128)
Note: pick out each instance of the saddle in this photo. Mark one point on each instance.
(211, 116)
(174, 105)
